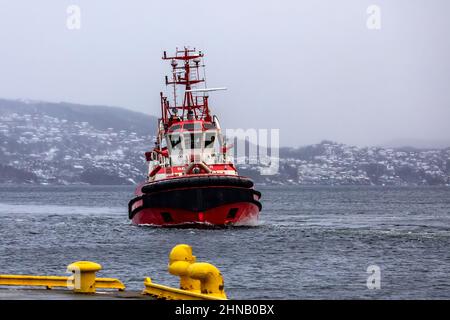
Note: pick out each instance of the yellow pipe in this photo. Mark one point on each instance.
(26, 280)
(109, 283)
(55, 281)
(163, 292)
(211, 280)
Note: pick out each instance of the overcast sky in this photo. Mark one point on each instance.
(312, 68)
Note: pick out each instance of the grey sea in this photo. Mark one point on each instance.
(311, 242)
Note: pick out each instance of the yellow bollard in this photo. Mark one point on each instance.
(198, 280)
(211, 280)
(84, 276)
(180, 258)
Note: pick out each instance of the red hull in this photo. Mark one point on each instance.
(246, 214)
(217, 200)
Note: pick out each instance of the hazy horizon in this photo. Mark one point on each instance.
(313, 69)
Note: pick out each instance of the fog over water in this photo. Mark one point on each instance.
(311, 68)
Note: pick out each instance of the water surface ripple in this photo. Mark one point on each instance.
(312, 242)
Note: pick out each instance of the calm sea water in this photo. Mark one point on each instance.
(312, 242)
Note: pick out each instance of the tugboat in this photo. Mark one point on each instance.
(191, 178)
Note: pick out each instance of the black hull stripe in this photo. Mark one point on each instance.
(198, 182)
(195, 199)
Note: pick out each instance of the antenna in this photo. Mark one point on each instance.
(206, 89)
(185, 65)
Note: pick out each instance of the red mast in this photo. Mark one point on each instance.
(194, 107)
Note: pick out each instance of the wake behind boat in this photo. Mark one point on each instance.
(191, 178)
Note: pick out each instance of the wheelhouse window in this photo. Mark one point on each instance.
(193, 140)
(208, 125)
(210, 138)
(175, 127)
(192, 126)
(175, 141)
